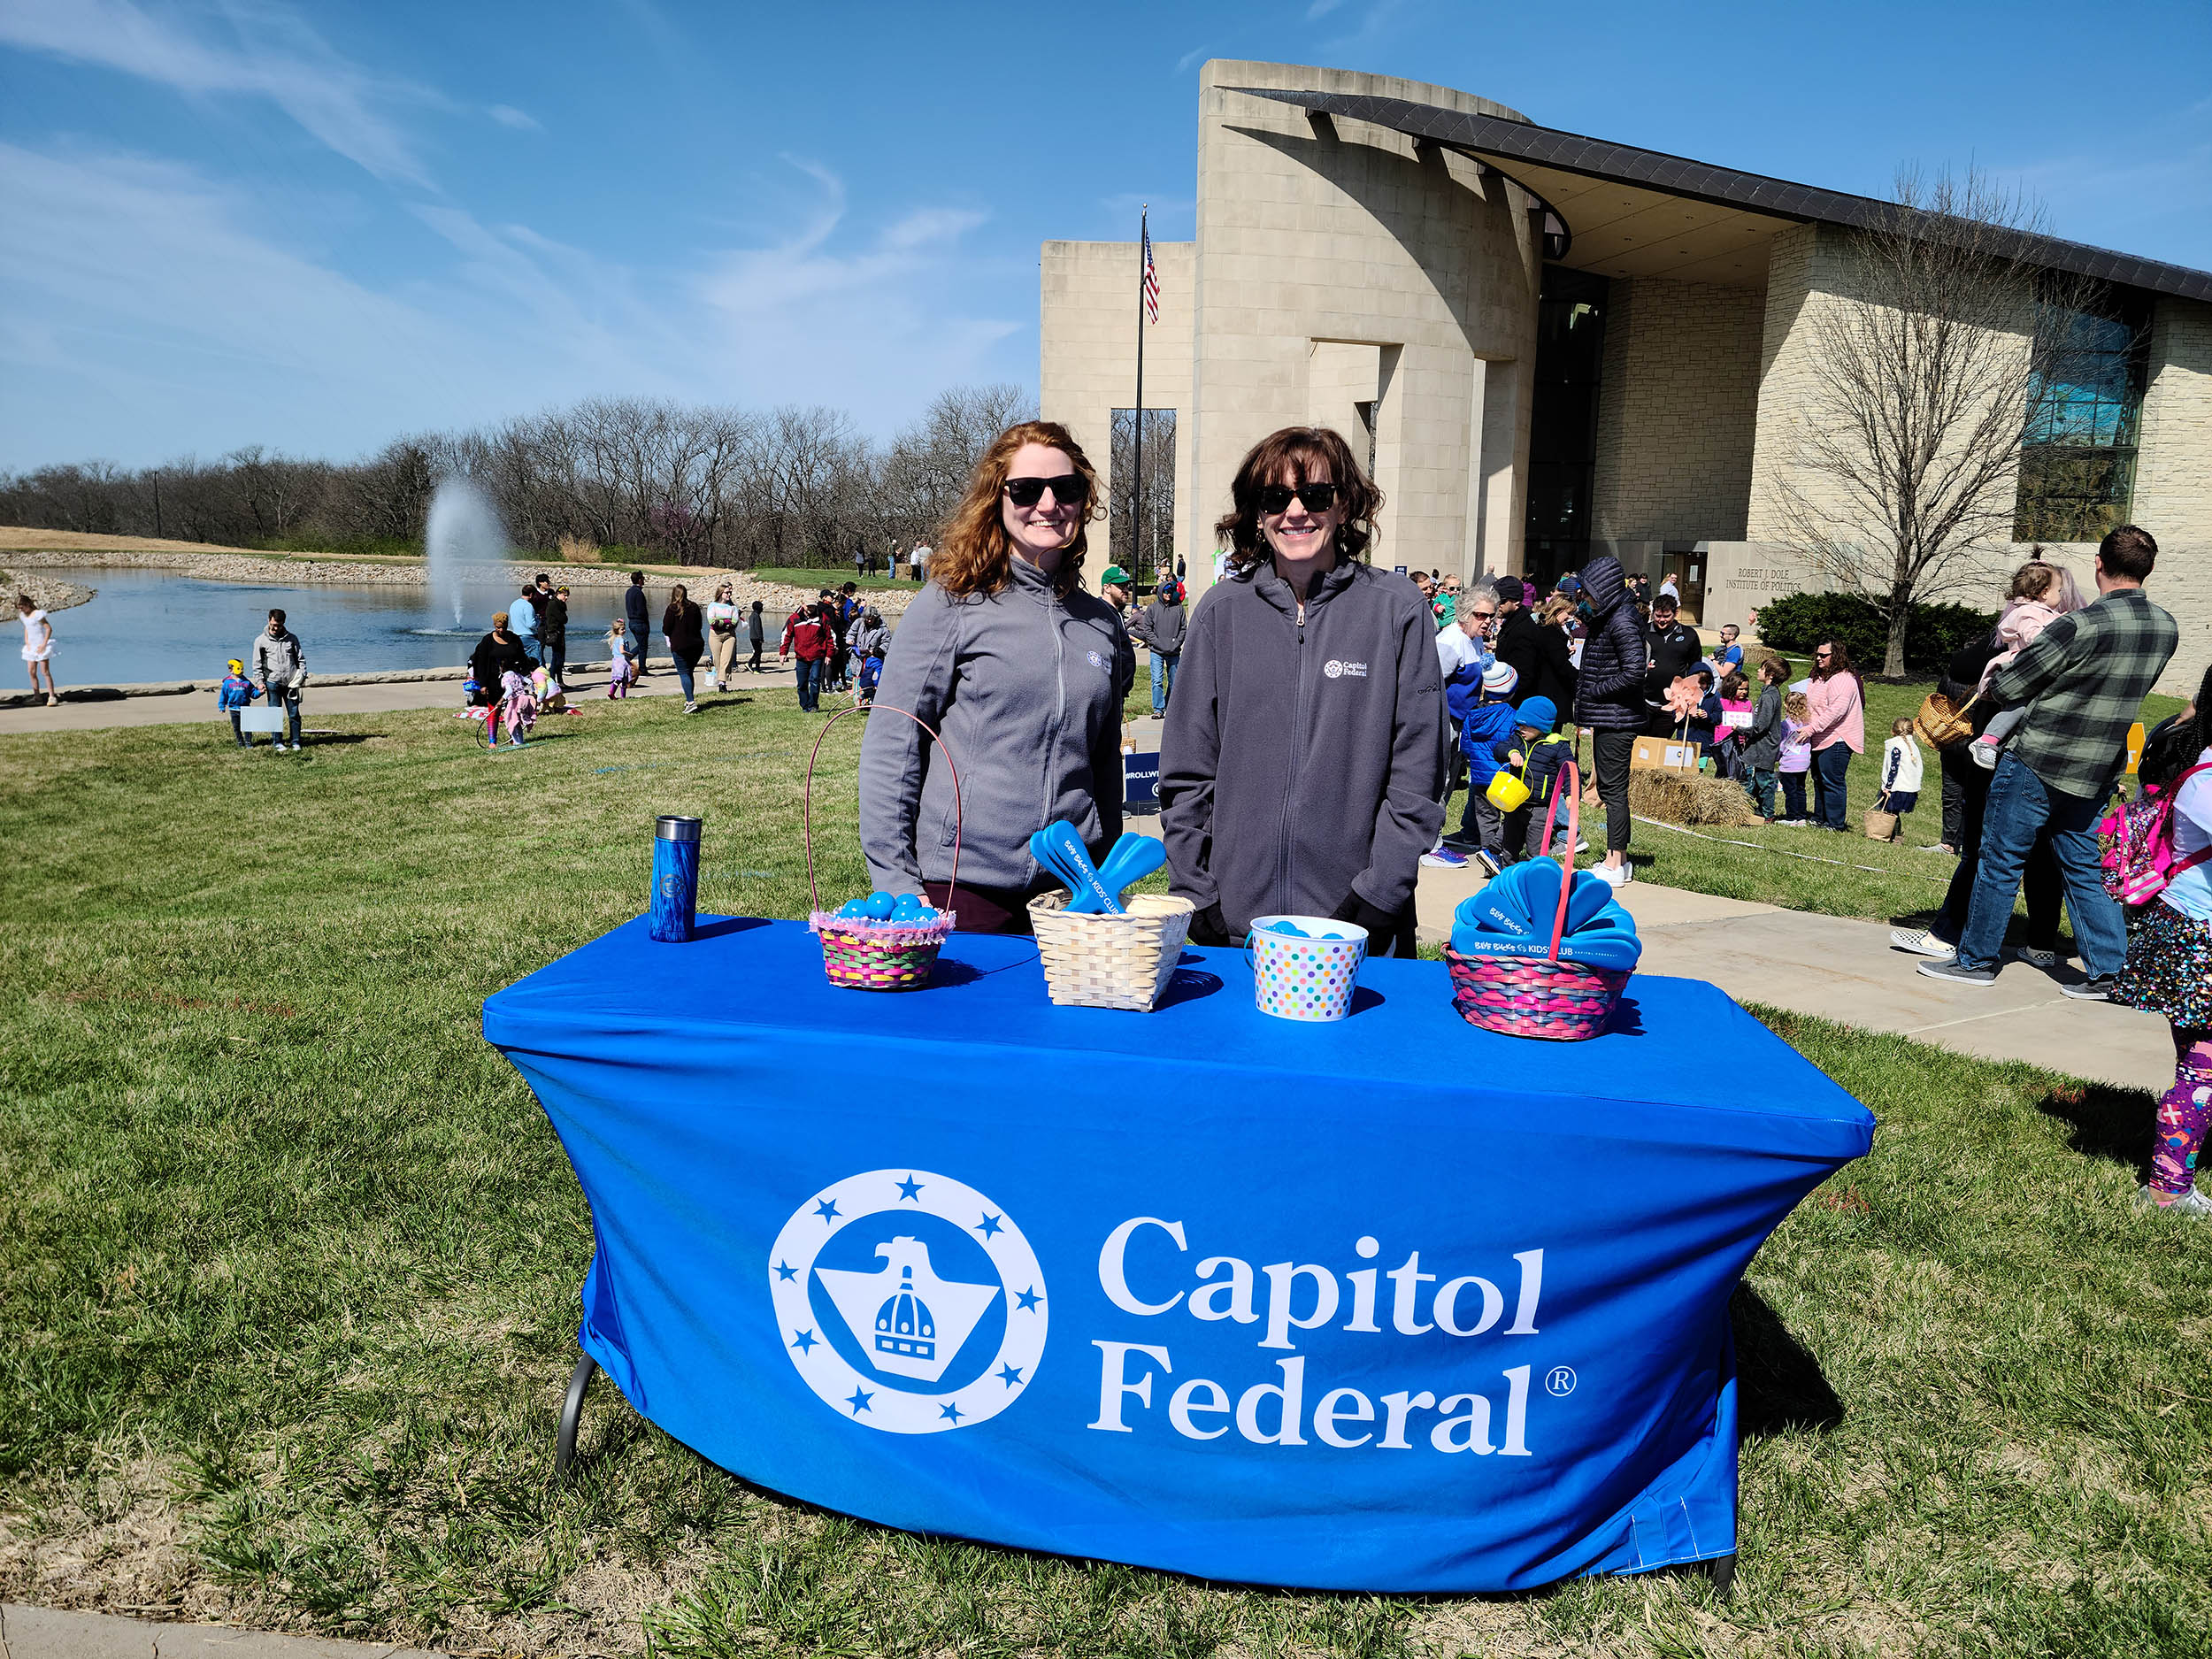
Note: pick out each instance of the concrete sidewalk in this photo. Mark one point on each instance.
(585, 685)
(38, 1632)
(1848, 970)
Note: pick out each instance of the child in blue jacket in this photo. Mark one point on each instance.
(237, 693)
(1484, 735)
(1537, 754)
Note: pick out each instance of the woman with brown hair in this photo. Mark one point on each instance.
(1022, 672)
(682, 627)
(1302, 768)
(1838, 702)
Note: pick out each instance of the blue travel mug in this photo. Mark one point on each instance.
(675, 879)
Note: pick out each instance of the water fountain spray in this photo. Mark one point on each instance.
(463, 529)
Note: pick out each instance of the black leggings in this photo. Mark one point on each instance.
(1610, 752)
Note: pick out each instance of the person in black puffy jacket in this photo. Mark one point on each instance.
(1609, 698)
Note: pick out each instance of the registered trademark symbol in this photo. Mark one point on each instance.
(1560, 1379)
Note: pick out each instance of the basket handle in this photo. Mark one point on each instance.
(813, 888)
(1572, 776)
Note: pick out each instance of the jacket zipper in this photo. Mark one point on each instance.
(1059, 718)
(1297, 761)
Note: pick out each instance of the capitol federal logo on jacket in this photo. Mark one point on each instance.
(908, 1302)
(1336, 669)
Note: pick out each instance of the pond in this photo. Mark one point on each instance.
(157, 625)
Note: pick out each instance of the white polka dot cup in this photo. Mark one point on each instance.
(1309, 975)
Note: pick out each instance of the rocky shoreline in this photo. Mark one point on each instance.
(777, 598)
(49, 593)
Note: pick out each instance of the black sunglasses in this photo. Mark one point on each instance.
(1027, 492)
(1278, 497)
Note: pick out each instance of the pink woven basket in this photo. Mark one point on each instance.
(871, 956)
(1523, 996)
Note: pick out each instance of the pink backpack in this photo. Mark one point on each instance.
(2135, 840)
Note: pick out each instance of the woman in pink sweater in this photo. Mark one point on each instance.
(1837, 730)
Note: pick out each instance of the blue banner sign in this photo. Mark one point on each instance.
(1200, 1290)
(1140, 780)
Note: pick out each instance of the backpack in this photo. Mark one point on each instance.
(2135, 843)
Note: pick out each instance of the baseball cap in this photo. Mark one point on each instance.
(1116, 575)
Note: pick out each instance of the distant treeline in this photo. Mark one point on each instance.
(693, 485)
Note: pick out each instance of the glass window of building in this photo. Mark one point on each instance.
(2085, 403)
(1562, 446)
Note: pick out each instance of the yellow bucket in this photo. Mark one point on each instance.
(1507, 793)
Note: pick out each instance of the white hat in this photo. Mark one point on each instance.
(1499, 679)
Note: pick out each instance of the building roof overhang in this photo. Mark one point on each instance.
(1640, 212)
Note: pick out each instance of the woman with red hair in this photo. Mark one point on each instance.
(1021, 670)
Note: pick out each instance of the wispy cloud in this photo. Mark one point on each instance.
(507, 115)
(1321, 8)
(269, 53)
(1191, 58)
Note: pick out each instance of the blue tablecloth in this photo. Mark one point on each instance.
(1391, 1304)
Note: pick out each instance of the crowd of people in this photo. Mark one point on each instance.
(1320, 713)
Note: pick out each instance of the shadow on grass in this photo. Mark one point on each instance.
(2108, 1122)
(1779, 1386)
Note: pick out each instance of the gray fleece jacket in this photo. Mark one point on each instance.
(1303, 761)
(1026, 689)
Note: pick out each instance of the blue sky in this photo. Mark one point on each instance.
(314, 227)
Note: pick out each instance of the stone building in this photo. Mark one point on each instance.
(1552, 346)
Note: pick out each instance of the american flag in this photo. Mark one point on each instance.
(1151, 278)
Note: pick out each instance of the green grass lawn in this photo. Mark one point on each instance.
(290, 1280)
(806, 576)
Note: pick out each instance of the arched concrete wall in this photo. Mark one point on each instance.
(1315, 234)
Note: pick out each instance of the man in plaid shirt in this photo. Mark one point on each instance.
(2082, 680)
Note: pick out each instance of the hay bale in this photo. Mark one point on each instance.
(1689, 797)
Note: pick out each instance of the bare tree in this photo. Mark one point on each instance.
(1937, 353)
(1141, 531)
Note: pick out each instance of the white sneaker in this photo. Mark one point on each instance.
(2192, 1203)
(691, 708)
(1922, 944)
(1984, 754)
(1618, 875)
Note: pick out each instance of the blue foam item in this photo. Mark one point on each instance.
(1061, 850)
(879, 906)
(1599, 932)
(1503, 904)
(1133, 858)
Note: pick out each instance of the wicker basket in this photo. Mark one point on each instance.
(870, 956)
(1523, 996)
(1111, 960)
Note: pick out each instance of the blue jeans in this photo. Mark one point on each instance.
(1829, 766)
(811, 683)
(1162, 681)
(1792, 796)
(2020, 805)
(683, 677)
(287, 698)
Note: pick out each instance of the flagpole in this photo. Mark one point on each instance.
(1136, 498)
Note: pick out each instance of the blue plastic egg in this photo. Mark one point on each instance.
(1290, 928)
(855, 907)
(907, 909)
(880, 906)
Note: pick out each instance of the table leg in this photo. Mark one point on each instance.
(1721, 1569)
(572, 1412)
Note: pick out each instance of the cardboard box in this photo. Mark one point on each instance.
(1663, 754)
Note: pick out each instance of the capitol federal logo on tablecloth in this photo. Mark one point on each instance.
(908, 1302)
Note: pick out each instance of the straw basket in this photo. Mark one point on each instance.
(1561, 1001)
(871, 956)
(1111, 960)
